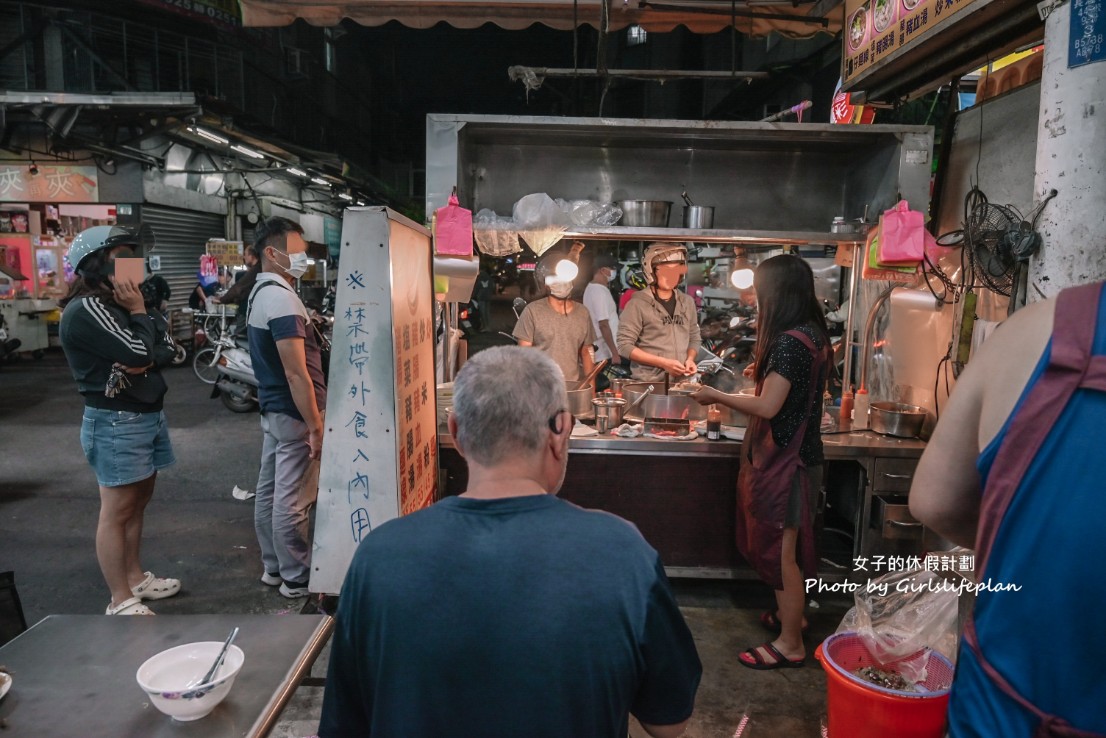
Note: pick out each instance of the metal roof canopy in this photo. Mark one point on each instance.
(752, 18)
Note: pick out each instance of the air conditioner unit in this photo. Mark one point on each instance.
(295, 63)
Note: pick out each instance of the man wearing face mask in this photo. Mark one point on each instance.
(292, 395)
(557, 324)
(659, 329)
(604, 312)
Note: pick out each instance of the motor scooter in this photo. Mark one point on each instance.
(236, 384)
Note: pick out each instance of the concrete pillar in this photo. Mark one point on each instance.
(1071, 157)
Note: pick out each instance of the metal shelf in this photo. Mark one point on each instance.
(737, 238)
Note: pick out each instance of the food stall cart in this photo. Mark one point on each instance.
(772, 185)
(27, 299)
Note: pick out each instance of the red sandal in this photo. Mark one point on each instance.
(771, 658)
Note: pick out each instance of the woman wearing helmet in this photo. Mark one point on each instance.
(557, 324)
(659, 329)
(115, 348)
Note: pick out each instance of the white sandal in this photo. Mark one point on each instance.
(133, 606)
(155, 588)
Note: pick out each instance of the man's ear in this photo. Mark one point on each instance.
(451, 423)
(558, 442)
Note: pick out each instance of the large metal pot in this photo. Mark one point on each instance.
(579, 400)
(659, 405)
(698, 216)
(896, 419)
(645, 213)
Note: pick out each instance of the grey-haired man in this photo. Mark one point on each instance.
(507, 611)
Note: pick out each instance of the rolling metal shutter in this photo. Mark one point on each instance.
(180, 236)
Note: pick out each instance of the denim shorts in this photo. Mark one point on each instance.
(124, 447)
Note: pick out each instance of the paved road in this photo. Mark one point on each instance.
(195, 530)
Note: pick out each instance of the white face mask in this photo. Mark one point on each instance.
(560, 290)
(611, 276)
(297, 264)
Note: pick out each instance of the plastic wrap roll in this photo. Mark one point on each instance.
(460, 274)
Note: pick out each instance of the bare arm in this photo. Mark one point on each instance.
(587, 358)
(525, 343)
(608, 338)
(765, 405)
(665, 731)
(946, 493)
(294, 359)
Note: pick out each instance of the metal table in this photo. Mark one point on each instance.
(74, 675)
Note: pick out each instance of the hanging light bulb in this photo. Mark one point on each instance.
(741, 273)
(566, 270)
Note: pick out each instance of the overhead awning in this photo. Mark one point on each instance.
(757, 18)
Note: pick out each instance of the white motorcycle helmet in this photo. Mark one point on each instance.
(97, 238)
(661, 253)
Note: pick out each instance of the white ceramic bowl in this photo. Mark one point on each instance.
(167, 678)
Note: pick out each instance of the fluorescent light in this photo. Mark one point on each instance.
(209, 135)
(361, 202)
(248, 152)
(320, 181)
(297, 172)
(344, 196)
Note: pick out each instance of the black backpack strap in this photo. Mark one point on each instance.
(257, 288)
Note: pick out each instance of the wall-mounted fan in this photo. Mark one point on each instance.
(1000, 242)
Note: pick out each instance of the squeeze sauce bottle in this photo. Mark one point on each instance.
(860, 409)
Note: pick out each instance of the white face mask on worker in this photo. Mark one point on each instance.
(561, 290)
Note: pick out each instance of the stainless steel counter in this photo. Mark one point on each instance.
(838, 446)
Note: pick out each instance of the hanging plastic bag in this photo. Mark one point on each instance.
(872, 268)
(494, 234)
(453, 229)
(902, 613)
(541, 221)
(901, 235)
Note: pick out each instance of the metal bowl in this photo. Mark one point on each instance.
(896, 419)
(645, 213)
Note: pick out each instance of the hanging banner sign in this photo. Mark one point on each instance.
(875, 29)
(227, 253)
(48, 183)
(215, 12)
(1087, 33)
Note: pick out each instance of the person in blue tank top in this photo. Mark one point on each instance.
(1014, 471)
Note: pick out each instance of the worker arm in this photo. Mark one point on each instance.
(524, 331)
(608, 338)
(767, 404)
(665, 731)
(294, 359)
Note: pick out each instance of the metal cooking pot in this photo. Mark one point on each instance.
(608, 412)
(657, 405)
(645, 213)
(579, 400)
(698, 216)
(896, 419)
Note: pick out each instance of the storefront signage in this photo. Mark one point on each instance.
(874, 29)
(1087, 33)
(227, 253)
(380, 448)
(48, 183)
(215, 12)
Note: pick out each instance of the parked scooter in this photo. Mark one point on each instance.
(236, 384)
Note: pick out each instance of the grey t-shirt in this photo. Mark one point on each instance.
(559, 335)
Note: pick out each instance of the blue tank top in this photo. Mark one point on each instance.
(1052, 543)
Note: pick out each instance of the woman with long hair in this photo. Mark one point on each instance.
(115, 348)
(781, 460)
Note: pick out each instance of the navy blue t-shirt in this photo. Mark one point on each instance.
(526, 616)
(276, 313)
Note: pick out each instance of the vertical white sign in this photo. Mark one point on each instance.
(379, 456)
